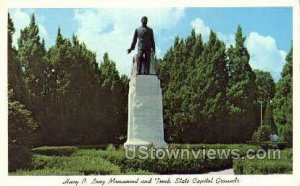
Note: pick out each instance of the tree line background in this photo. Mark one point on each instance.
(211, 94)
(63, 96)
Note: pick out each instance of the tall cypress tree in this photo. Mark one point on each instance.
(171, 72)
(265, 94)
(269, 117)
(210, 78)
(58, 83)
(283, 111)
(112, 102)
(15, 81)
(265, 86)
(241, 92)
(31, 54)
(31, 51)
(194, 46)
(175, 71)
(21, 125)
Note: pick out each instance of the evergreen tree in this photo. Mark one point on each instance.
(191, 105)
(14, 68)
(169, 72)
(241, 92)
(74, 100)
(283, 101)
(111, 94)
(265, 86)
(21, 125)
(123, 109)
(265, 94)
(209, 83)
(21, 128)
(262, 133)
(31, 54)
(269, 117)
(58, 106)
(174, 72)
(31, 51)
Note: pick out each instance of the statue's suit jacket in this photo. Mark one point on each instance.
(146, 39)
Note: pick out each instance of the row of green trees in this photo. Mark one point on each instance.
(211, 94)
(72, 98)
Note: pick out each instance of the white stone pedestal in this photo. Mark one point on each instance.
(145, 114)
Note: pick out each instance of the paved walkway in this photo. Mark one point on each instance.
(222, 172)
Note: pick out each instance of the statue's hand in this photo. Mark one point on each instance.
(128, 50)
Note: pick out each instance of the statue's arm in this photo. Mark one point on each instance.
(134, 40)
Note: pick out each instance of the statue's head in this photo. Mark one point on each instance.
(144, 20)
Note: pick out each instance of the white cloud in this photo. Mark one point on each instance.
(263, 50)
(111, 30)
(21, 19)
(264, 54)
(229, 39)
(200, 28)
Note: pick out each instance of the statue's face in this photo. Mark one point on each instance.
(144, 20)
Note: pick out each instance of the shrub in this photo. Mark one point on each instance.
(286, 134)
(55, 151)
(113, 161)
(261, 167)
(46, 162)
(75, 164)
(100, 146)
(91, 165)
(265, 166)
(21, 127)
(110, 147)
(262, 133)
(164, 166)
(242, 148)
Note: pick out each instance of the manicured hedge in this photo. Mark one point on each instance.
(69, 160)
(55, 151)
(100, 146)
(261, 167)
(265, 166)
(68, 150)
(159, 166)
(91, 165)
(75, 164)
(242, 148)
(166, 166)
(46, 162)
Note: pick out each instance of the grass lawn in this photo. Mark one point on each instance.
(82, 160)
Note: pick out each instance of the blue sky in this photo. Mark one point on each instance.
(268, 31)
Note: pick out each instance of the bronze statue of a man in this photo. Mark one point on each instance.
(146, 45)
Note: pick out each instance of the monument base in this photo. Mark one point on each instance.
(145, 114)
(135, 144)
